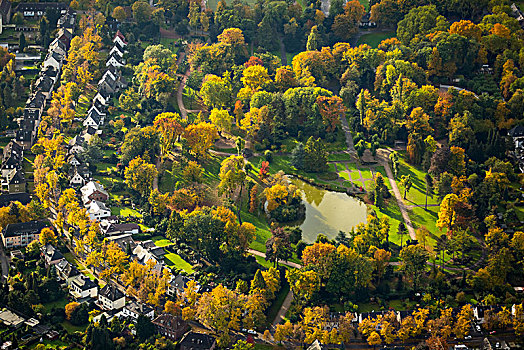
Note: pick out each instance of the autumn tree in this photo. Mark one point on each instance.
(47, 236)
(331, 109)
(170, 127)
(119, 13)
(221, 119)
(414, 259)
(232, 176)
(346, 24)
(201, 138)
(139, 176)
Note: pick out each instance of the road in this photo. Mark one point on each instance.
(4, 262)
(283, 309)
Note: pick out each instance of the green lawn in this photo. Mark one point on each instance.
(263, 232)
(71, 329)
(366, 173)
(61, 303)
(161, 241)
(54, 344)
(344, 175)
(125, 211)
(417, 193)
(382, 171)
(392, 211)
(355, 175)
(339, 157)
(374, 39)
(175, 260)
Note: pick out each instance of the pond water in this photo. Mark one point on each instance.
(328, 212)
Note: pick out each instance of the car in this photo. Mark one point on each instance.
(478, 328)
(497, 345)
(492, 332)
(467, 337)
(250, 331)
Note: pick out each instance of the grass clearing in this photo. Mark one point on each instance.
(340, 157)
(161, 241)
(125, 211)
(344, 175)
(374, 39)
(71, 329)
(263, 231)
(175, 260)
(355, 175)
(417, 193)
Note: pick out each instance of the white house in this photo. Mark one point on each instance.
(135, 309)
(53, 59)
(110, 298)
(91, 121)
(73, 160)
(77, 179)
(58, 47)
(97, 210)
(116, 50)
(102, 98)
(82, 287)
(112, 61)
(93, 191)
(120, 39)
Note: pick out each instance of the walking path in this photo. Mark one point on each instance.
(262, 255)
(384, 156)
(349, 137)
(179, 99)
(283, 309)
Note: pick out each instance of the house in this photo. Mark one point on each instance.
(64, 36)
(37, 10)
(198, 341)
(51, 255)
(76, 144)
(124, 241)
(50, 72)
(97, 109)
(102, 97)
(93, 191)
(134, 309)
(58, 47)
(115, 61)
(89, 132)
(147, 251)
(97, 210)
(14, 182)
(5, 13)
(517, 134)
(67, 21)
(108, 84)
(7, 198)
(17, 254)
(110, 298)
(66, 271)
(178, 285)
(170, 326)
(45, 85)
(53, 59)
(316, 345)
(73, 160)
(32, 114)
(365, 22)
(76, 179)
(25, 135)
(82, 288)
(12, 158)
(120, 229)
(36, 101)
(120, 39)
(117, 49)
(22, 233)
(92, 120)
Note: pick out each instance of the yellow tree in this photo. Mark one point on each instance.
(47, 236)
(447, 213)
(255, 78)
(170, 126)
(232, 177)
(221, 119)
(200, 138)
(139, 176)
(463, 323)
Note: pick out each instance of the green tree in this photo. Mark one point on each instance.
(221, 119)
(232, 177)
(315, 159)
(407, 183)
(144, 328)
(141, 11)
(414, 259)
(22, 42)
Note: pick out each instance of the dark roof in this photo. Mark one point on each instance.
(45, 84)
(111, 292)
(84, 283)
(138, 308)
(95, 116)
(67, 20)
(517, 131)
(123, 241)
(158, 252)
(17, 177)
(180, 282)
(51, 253)
(33, 114)
(118, 46)
(36, 101)
(58, 43)
(50, 71)
(125, 227)
(104, 94)
(13, 149)
(7, 198)
(114, 70)
(90, 131)
(24, 227)
(171, 322)
(67, 269)
(5, 7)
(99, 106)
(116, 56)
(25, 135)
(197, 341)
(71, 156)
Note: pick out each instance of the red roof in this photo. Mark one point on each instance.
(121, 36)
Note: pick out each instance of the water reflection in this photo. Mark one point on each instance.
(328, 212)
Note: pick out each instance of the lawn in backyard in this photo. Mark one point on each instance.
(161, 241)
(374, 39)
(60, 304)
(125, 211)
(175, 260)
(71, 329)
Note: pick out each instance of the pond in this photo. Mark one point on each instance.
(328, 212)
